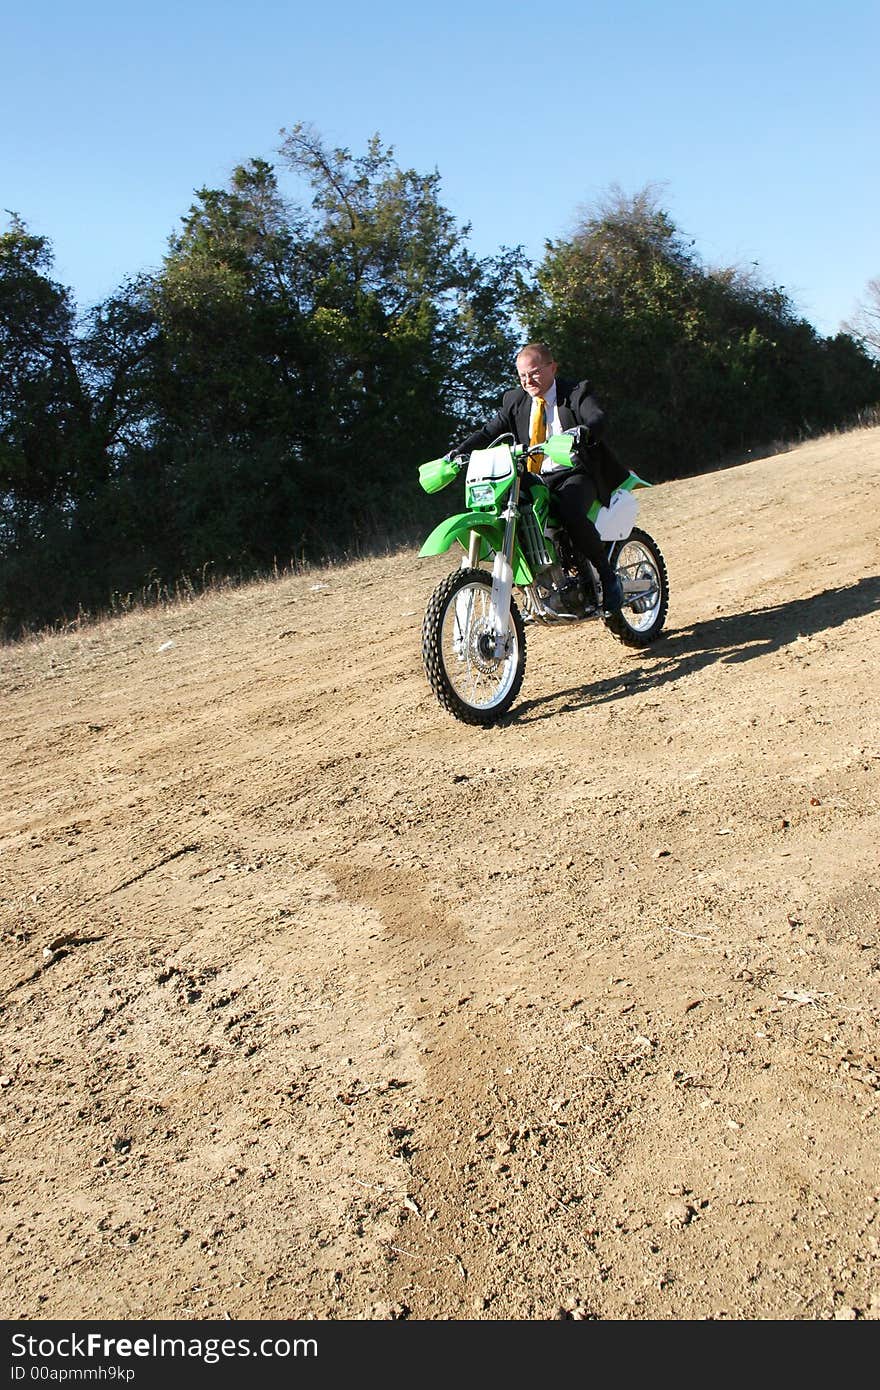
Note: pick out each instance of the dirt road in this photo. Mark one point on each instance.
(316, 1003)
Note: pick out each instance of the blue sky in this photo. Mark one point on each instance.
(760, 122)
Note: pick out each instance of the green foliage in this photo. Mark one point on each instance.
(324, 348)
(865, 327)
(269, 393)
(695, 365)
(266, 395)
(75, 400)
(39, 395)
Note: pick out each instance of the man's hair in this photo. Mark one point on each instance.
(544, 352)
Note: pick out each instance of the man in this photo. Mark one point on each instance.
(542, 406)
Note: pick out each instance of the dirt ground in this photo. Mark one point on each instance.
(319, 1004)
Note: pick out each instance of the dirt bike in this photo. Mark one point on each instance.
(473, 634)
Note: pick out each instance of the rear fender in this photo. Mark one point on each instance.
(615, 522)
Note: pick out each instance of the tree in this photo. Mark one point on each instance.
(75, 415)
(413, 333)
(865, 325)
(232, 301)
(40, 396)
(694, 363)
(315, 355)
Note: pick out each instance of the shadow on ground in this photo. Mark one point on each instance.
(732, 637)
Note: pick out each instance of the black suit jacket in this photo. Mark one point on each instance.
(577, 406)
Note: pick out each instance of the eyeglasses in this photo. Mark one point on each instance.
(534, 373)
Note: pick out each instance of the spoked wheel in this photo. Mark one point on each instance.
(641, 570)
(458, 649)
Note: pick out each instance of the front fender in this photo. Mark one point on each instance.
(458, 528)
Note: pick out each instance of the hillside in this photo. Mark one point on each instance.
(317, 1003)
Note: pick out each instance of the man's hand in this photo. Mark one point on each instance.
(581, 442)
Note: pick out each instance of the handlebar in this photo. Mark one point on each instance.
(440, 472)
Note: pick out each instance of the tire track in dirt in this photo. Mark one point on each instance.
(464, 1040)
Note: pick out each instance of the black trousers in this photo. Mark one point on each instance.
(574, 492)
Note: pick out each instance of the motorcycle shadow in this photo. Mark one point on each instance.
(733, 637)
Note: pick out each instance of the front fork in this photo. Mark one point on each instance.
(502, 572)
(472, 559)
(502, 585)
(502, 575)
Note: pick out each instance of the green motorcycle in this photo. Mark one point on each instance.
(473, 634)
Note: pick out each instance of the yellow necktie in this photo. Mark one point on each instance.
(538, 435)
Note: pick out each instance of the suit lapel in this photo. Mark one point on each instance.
(522, 415)
(566, 414)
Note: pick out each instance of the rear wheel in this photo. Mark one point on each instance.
(641, 570)
(458, 649)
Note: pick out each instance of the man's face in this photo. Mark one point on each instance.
(536, 374)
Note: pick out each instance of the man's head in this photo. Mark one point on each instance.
(536, 368)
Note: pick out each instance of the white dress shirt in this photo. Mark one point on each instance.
(550, 406)
(553, 424)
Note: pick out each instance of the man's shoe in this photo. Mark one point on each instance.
(612, 596)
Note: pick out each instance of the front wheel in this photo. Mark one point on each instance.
(458, 649)
(641, 570)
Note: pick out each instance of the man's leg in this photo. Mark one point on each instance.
(574, 493)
